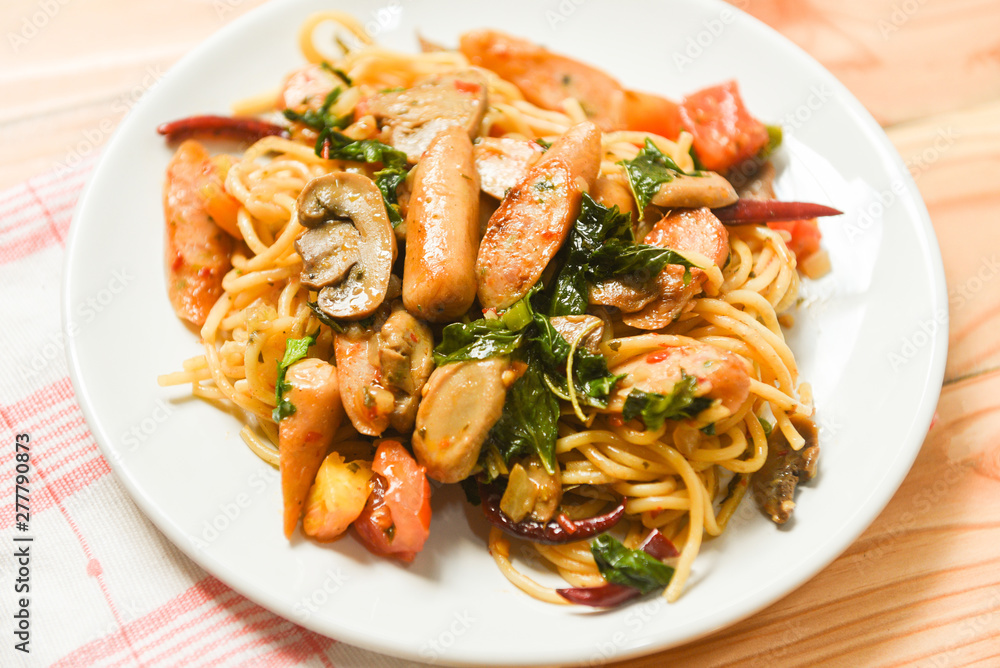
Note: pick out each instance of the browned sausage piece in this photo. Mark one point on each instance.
(305, 436)
(532, 222)
(197, 250)
(502, 161)
(442, 230)
(720, 374)
(682, 230)
(547, 78)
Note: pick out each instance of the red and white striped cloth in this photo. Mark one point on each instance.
(107, 588)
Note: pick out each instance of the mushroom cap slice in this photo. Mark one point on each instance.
(691, 192)
(413, 117)
(326, 205)
(328, 253)
(462, 402)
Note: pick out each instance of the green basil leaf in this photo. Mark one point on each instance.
(643, 261)
(388, 181)
(295, 349)
(774, 139)
(631, 568)
(324, 318)
(653, 408)
(342, 147)
(594, 225)
(478, 340)
(528, 424)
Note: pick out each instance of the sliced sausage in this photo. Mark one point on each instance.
(502, 162)
(720, 374)
(682, 230)
(532, 222)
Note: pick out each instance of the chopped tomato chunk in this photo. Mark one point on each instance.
(805, 236)
(725, 134)
(397, 517)
(645, 112)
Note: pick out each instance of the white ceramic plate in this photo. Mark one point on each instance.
(866, 337)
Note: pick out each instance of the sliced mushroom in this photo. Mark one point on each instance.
(328, 253)
(406, 358)
(572, 327)
(690, 192)
(503, 161)
(625, 295)
(351, 269)
(760, 185)
(411, 118)
(774, 484)
(462, 402)
(548, 487)
(531, 490)
(383, 369)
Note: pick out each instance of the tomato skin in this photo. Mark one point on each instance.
(725, 134)
(805, 236)
(397, 516)
(645, 112)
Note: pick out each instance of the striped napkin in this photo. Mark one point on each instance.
(106, 588)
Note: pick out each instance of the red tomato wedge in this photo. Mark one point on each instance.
(805, 236)
(725, 134)
(645, 112)
(397, 517)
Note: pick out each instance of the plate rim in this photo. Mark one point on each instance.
(911, 441)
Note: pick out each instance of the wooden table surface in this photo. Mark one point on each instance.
(922, 585)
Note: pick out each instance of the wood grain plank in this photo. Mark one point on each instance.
(901, 58)
(955, 159)
(69, 78)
